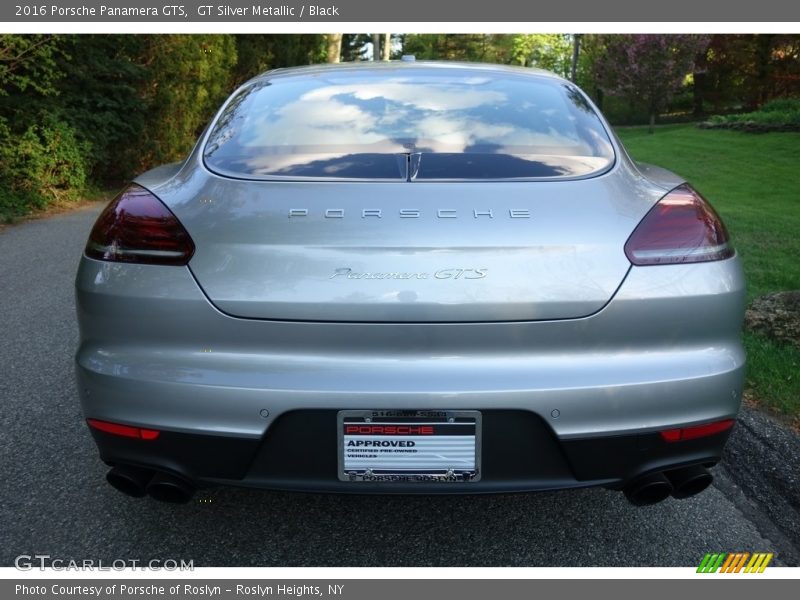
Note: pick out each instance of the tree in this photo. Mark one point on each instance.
(475, 47)
(699, 83)
(741, 71)
(649, 68)
(386, 53)
(187, 79)
(100, 96)
(592, 53)
(334, 47)
(356, 46)
(29, 62)
(376, 46)
(258, 53)
(79, 110)
(41, 158)
(576, 52)
(550, 51)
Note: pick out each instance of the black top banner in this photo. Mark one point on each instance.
(407, 11)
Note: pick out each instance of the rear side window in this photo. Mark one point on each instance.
(402, 124)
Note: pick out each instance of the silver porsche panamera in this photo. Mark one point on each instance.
(410, 278)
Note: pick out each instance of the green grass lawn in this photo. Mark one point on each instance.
(753, 180)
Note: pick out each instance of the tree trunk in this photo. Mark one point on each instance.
(576, 51)
(698, 95)
(334, 47)
(376, 46)
(387, 46)
(651, 129)
(699, 87)
(763, 68)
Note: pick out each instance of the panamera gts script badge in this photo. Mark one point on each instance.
(347, 273)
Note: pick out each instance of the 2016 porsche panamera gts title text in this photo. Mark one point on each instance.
(462, 249)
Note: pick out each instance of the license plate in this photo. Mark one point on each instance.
(409, 446)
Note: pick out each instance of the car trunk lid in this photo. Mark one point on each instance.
(409, 251)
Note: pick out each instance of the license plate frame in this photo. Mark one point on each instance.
(356, 464)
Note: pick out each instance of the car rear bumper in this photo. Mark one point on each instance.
(520, 453)
(584, 398)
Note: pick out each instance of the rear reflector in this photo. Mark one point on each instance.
(697, 431)
(124, 430)
(136, 227)
(681, 228)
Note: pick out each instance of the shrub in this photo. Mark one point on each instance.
(44, 164)
(782, 105)
(780, 114)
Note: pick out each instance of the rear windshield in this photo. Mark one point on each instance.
(401, 125)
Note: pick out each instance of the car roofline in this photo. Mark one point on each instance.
(397, 65)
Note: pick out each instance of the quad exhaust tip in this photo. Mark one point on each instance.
(138, 482)
(647, 490)
(169, 488)
(129, 480)
(678, 483)
(689, 481)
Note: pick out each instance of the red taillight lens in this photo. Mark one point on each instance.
(697, 431)
(681, 228)
(137, 228)
(124, 430)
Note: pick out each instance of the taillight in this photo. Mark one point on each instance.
(681, 228)
(137, 228)
(696, 431)
(124, 430)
